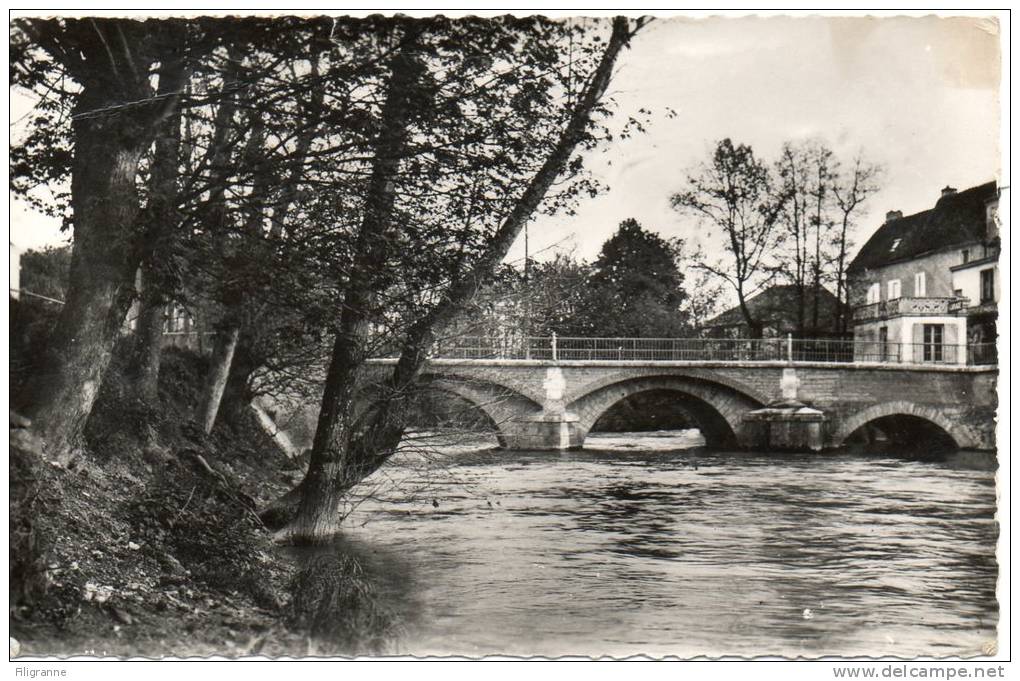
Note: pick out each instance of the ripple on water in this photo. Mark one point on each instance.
(644, 545)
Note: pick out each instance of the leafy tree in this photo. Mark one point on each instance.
(559, 291)
(549, 297)
(46, 271)
(113, 122)
(538, 145)
(636, 289)
(805, 177)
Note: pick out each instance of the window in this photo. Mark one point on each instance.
(966, 255)
(883, 340)
(894, 289)
(895, 243)
(988, 286)
(933, 342)
(874, 293)
(920, 285)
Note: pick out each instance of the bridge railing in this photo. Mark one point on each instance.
(564, 348)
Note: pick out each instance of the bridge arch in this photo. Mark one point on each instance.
(718, 408)
(499, 404)
(910, 417)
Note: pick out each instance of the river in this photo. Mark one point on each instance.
(646, 544)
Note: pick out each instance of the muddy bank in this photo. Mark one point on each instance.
(149, 542)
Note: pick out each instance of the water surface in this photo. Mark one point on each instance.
(639, 544)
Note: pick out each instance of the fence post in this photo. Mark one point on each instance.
(789, 347)
(554, 346)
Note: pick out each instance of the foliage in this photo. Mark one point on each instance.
(46, 272)
(636, 288)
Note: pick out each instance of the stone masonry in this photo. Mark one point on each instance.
(552, 405)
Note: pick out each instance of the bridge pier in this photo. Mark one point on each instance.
(547, 431)
(786, 424)
(554, 428)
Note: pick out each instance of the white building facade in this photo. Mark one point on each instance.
(924, 287)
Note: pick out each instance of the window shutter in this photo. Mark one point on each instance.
(894, 289)
(949, 341)
(916, 351)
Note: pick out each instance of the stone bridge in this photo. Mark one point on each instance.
(543, 404)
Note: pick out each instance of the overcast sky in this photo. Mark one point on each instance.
(918, 95)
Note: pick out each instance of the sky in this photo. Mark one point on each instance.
(918, 95)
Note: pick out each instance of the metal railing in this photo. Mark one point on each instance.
(555, 348)
(982, 353)
(914, 307)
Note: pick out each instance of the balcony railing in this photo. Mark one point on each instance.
(910, 307)
(983, 353)
(556, 348)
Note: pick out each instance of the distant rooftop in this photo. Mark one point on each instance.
(777, 305)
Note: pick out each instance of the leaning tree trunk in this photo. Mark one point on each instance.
(332, 476)
(326, 481)
(219, 370)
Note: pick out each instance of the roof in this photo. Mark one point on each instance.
(776, 307)
(956, 219)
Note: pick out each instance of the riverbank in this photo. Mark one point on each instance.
(148, 543)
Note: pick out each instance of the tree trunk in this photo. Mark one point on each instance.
(755, 329)
(114, 122)
(216, 378)
(326, 480)
(144, 366)
(158, 281)
(104, 201)
(339, 462)
(234, 297)
(842, 295)
(238, 302)
(237, 397)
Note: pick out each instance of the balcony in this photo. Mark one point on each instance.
(910, 307)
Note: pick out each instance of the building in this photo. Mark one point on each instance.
(926, 285)
(776, 308)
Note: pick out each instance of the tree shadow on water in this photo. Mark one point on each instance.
(336, 606)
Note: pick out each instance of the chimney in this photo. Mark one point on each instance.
(893, 215)
(948, 191)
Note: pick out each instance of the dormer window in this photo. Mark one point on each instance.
(895, 243)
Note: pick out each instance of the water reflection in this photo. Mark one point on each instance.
(657, 548)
